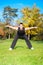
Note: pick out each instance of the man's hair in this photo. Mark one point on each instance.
(21, 23)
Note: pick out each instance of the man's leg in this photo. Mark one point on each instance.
(14, 41)
(28, 42)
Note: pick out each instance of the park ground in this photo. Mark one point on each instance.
(21, 55)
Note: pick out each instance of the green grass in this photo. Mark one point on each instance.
(21, 55)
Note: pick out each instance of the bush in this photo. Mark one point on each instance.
(37, 38)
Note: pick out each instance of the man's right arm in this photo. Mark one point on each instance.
(15, 28)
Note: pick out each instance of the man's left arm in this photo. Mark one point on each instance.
(29, 28)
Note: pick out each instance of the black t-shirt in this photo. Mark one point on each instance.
(21, 32)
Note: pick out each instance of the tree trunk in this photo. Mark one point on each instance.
(28, 36)
(9, 33)
(9, 36)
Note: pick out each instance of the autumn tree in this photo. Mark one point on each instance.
(32, 17)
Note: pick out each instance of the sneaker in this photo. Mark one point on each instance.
(32, 48)
(10, 48)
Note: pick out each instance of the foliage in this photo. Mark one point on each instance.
(9, 14)
(31, 18)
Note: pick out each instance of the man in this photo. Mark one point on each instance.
(20, 34)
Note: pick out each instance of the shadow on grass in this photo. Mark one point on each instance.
(19, 47)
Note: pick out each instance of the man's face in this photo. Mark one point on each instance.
(21, 25)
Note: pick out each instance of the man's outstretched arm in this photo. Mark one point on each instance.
(15, 28)
(29, 28)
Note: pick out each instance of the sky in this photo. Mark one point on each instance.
(20, 4)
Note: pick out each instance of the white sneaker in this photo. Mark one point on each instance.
(10, 48)
(32, 48)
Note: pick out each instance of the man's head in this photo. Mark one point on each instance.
(21, 24)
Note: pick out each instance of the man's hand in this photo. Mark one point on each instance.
(35, 27)
(30, 28)
(7, 26)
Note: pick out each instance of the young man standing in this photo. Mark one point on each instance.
(20, 34)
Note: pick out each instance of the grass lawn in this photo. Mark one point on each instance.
(21, 55)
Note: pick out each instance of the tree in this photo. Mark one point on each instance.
(9, 14)
(32, 17)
